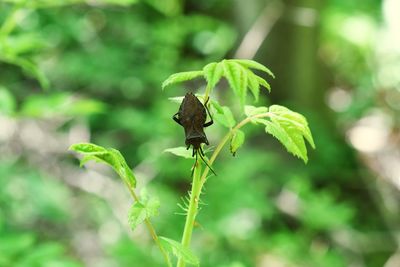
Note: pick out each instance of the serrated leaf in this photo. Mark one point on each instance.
(180, 152)
(109, 156)
(225, 118)
(299, 120)
(252, 110)
(179, 251)
(136, 215)
(237, 79)
(263, 82)
(291, 140)
(290, 128)
(237, 141)
(254, 65)
(181, 77)
(141, 211)
(253, 84)
(152, 207)
(213, 73)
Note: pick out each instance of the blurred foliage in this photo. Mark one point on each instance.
(75, 70)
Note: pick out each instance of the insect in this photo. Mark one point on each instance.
(192, 116)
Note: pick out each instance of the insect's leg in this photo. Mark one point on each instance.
(201, 151)
(175, 118)
(205, 162)
(210, 122)
(194, 152)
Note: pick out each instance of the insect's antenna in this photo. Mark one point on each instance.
(205, 162)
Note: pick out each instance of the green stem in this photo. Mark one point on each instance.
(198, 183)
(192, 210)
(150, 227)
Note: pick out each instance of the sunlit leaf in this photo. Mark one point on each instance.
(263, 82)
(213, 73)
(109, 156)
(237, 78)
(296, 118)
(254, 65)
(181, 77)
(253, 84)
(237, 141)
(290, 128)
(180, 152)
(225, 118)
(252, 110)
(179, 251)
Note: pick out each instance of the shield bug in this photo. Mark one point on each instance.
(192, 116)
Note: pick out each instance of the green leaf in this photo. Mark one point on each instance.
(263, 82)
(291, 140)
(179, 251)
(213, 73)
(254, 65)
(225, 118)
(136, 215)
(216, 106)
(180, 152)
(109, 156)
(237, 79)
(7, 101)
(290, 128)
(181, 77)
(299, 120)
(152, 207)
(253, 84)
(237, 141)
(252, 110)
(143, 210)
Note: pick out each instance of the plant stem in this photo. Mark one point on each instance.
(149, 226)
(192, 210)
(198, 183)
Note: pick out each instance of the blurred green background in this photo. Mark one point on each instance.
(75, 70)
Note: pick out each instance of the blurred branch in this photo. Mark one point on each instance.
(259, 31)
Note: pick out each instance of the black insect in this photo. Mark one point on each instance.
(192, 115)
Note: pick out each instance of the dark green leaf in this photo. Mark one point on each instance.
(179, 251)
(181, 77)
(28, 67)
